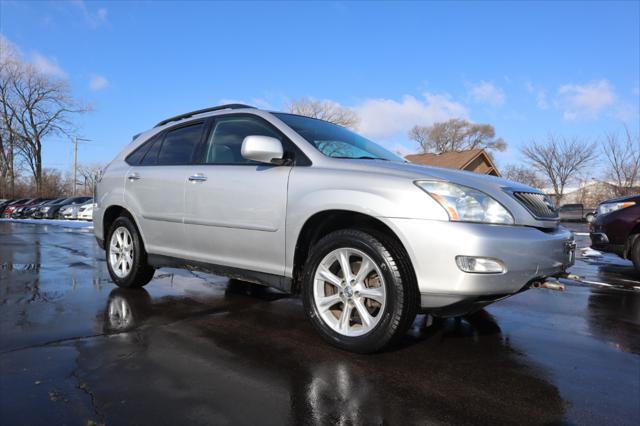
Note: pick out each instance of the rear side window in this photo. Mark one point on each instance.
(151, 156)
(136, 156)
(179, 144)
(225, 143)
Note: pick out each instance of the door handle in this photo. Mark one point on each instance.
(197, 178)
(133, 176)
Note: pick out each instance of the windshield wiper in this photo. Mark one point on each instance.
(364, 157)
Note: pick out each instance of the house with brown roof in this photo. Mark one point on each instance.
(473, 160)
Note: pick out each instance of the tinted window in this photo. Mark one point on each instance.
(137, 155)
(225, 142)
(179, 144)
(151, 157)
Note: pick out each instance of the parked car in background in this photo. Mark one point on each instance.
(310, 207)
(26, 212)
(8, 206)
(10, 210)
(5, 203)
(71, 211)
(616, 228)
(39, 212)
(575, 212)
(71, 202)
(51, 210)
(86, 211)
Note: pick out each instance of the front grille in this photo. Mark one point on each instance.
(538, 204)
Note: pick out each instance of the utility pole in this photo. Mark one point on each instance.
(75, 161)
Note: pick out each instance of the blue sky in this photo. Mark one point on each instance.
(527, 68)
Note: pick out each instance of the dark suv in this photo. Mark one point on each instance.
(616, 228)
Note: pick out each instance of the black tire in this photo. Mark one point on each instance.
(402, 297)
(141, 273)
(634, 254)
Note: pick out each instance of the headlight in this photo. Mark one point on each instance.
(45, 209)
(612, 207)
(466, 204)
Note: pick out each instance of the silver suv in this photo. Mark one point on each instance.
(309, 207)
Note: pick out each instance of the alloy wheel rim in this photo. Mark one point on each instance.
(120, 315)
(121, 252)
(349, 292)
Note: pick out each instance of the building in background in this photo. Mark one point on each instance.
(591, 192)
(473, 160)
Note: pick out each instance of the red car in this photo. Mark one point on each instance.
(616, 228)
(8, 211)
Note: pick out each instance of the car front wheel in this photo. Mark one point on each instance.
(634, 254)
(126, 257)
(359, 290)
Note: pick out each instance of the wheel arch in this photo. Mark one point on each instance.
(634, 235)
(112, 213)
(324, 222)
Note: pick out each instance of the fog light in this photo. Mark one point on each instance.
(479, 265)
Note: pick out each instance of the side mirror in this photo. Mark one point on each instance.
(263, 149)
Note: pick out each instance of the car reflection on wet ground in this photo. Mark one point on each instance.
(193, 348)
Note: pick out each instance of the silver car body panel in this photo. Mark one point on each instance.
(250, 217)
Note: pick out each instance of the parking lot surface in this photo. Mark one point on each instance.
(193, 348)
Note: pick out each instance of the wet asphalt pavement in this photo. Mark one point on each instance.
(193, 348)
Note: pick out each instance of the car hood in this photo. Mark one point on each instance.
(418, 171)
(499, 188)
(635, 197)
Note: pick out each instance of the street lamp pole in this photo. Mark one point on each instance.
(75, 161)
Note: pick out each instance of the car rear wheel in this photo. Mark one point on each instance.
(358, 290)
(126, 257)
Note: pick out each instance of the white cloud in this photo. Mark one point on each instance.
(386, 118)
(47, 66)
(585, 101)
(541, 99)
(98, 82)
(530, 87)
(102, 14)
(94, 20)
(487, 93)
(540, 94)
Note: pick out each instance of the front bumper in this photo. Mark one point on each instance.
(600, 241)
(527, 253)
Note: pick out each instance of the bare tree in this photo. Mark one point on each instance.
(524, 175)
(560, 160)
(34, 107)
(623, 158)
(324, 110)
(90, 173)
(9, 136)
(456, 135)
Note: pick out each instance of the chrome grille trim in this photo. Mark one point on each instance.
(537, 204)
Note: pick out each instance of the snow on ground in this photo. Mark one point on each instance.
(58, 222)
(589, 252)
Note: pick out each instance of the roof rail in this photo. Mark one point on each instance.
(202, 111)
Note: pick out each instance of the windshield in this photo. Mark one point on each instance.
(335, 141)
